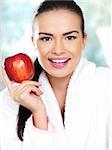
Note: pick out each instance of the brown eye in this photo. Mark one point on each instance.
(46, 39)
(70, 37)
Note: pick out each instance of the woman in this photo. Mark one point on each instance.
(68, 104)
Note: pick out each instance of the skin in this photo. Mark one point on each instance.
(59, 36)
(58, 45)
(64, 39)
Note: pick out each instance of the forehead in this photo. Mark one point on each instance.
(57, 21)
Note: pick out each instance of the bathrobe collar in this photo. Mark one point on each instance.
(77, 107)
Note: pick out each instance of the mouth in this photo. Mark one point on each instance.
(59, 62)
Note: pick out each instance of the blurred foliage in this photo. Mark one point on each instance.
(97, 14)
(16, 24)
(17, 17)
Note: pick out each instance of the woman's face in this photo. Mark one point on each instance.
(58, 41)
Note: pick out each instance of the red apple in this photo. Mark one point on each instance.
(19, 67)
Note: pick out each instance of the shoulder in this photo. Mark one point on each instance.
(102, 84)
(100, 80)
(7, 104)
(100, 73)
(103, 71)
(103, 75)
(89, 69)
(8, 120)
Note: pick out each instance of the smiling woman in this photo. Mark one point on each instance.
(64, 43)
(68, 103)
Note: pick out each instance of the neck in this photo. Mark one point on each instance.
(59, 84)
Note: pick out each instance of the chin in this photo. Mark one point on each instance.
(59, 74)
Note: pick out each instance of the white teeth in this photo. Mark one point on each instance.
(59, 61)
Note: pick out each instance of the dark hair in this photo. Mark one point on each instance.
(45, 6)
(25, 113)
(70, 5)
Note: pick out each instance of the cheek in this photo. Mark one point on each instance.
(75, 47)
(44, 48)
(41, 49)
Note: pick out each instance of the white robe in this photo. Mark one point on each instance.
(87, 118)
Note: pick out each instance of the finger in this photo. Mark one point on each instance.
(38, 92)
(33, 90)
(7, 81)
(27, 82)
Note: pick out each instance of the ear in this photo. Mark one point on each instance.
(85, 36)
(33, 41)
(85, 39)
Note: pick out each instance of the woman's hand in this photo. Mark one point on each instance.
(28, 95)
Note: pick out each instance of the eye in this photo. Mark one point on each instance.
(45, 39)
(70, 37)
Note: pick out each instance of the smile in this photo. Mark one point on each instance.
(59, 62)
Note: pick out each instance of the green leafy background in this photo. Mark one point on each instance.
(16, 27)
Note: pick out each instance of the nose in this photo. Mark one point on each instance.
(58, 47)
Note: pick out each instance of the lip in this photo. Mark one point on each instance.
(59, 62)
(58, 58)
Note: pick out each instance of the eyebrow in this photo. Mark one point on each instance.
(49, 34)
(45, 33)
(70, 32)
